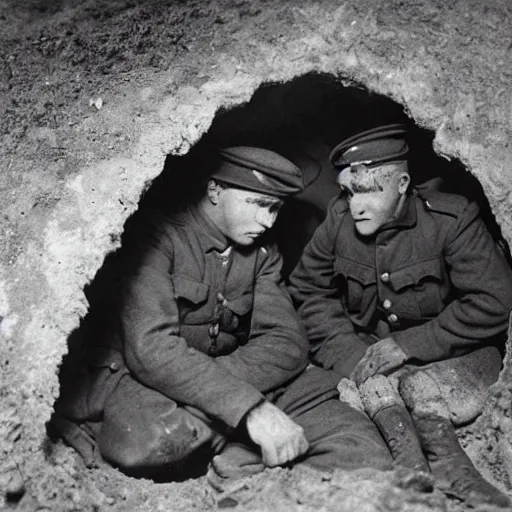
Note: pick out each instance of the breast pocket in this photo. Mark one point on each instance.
(192, 297)
(357, 283)
(236, 317)
(422, 286)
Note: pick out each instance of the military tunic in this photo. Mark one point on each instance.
(208, 325)
(432, 278)
(204, 332)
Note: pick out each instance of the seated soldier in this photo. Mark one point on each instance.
(205, 354)
(409, 285)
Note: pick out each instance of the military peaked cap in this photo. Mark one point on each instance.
(258, 170)
(371, 147)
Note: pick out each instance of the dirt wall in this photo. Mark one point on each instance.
(93, 97)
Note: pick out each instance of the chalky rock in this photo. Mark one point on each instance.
(71, 175)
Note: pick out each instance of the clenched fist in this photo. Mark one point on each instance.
(382, 357)
(281, 440)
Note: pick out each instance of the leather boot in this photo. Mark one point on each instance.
(236, 461)
(454, 472)
(397, 428)
(387, 410)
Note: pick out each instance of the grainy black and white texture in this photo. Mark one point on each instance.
(73, 169)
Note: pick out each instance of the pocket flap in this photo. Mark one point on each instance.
(189, 289)
(350, 269)
(414, 274)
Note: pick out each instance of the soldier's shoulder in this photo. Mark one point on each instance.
(157, 227)
(258, 256)
(443, 203)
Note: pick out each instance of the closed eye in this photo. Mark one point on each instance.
(272, 205)
(365, 189)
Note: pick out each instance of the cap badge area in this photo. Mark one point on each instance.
(261, 178)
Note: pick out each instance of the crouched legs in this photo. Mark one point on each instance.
(386, 408)
(339, 435)
(454, 472)
(144, 433)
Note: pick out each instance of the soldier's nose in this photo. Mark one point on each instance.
(357, 208)
(266, 218)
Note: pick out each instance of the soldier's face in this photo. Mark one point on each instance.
(245, 215)
(375, 196)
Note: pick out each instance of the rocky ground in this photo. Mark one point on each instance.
(95, 95)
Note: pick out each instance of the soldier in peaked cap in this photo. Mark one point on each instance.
(205, 355)
(406, 294)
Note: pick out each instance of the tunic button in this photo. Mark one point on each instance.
(393, 318)
(385, 277)
(114, 367)
(386, 304)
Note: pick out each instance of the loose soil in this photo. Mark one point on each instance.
(94, 97)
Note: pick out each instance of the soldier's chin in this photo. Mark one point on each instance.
(245, 240)
(365, 228)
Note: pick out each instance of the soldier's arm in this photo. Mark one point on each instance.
(482, 281)
(155, 352)
(334, 343)
(277, 349)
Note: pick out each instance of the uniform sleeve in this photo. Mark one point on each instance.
(155, 352)
(482, 281)
(277, 349)
(334, 343)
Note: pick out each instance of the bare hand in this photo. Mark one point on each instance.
(281, 440)
(381, 357)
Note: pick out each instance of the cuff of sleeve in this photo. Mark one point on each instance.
(416, 344)
(241, 404)
(243, 419)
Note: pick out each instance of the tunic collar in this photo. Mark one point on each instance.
(406, 218)
(211, 236)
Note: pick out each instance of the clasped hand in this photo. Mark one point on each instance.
(281, 440)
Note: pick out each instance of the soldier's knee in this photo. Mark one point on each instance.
(129, 459)
(421, 394)
(157, 446)
(146, 459)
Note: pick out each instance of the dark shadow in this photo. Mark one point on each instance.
(303, 120)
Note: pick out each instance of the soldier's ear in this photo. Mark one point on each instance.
(213, 191)
(403, 182)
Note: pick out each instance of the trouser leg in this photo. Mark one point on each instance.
(386, 408)
(453, 471)
(77, 435)
(144, 433)
(339, 435)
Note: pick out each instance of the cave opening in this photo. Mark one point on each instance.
(301, 120)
